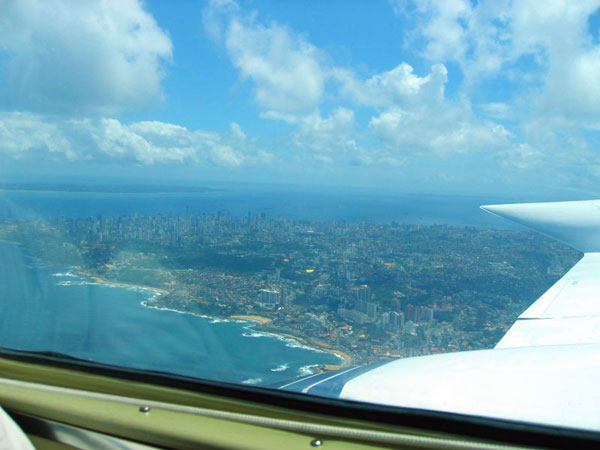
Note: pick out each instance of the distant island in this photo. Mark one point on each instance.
(105, 188)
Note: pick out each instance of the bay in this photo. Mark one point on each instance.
(51, 308)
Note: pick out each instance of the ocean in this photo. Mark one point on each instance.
(315, 204)
(45, 307)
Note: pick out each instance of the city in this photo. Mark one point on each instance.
(365, 291)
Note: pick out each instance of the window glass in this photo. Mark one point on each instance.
(254, 192)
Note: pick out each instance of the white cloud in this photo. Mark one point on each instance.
(284, 69)
(494, 38)
(399, 85)
(334, 141)
(236, 131)
(445, 130)
(288, 77)
(546, 55)
(216, 15)
(326, 134)
(534, 67)
(30, 136)
(477, 37)
(283, 66)
(497, 110)
(445, 31)
(79, 57)
(521, 156)
(23, 136)
(415, 117)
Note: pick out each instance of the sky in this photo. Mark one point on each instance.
(449, 96)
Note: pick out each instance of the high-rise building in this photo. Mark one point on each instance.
(385, 319)
(411, 313)
(364, 293)
(361, 305)
(269, 296)
(396, 320)
(284, 298)
(371, 310)
(426, 314)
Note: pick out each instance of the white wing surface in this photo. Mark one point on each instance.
(569, 312)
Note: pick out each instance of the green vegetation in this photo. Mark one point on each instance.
(369, 289)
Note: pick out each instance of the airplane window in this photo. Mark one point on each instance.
(287, 195)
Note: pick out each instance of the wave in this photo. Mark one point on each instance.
(122, 286)
(289, 341)
(253, 381)
(77, 283)
(217, 320)
(65, 274)
(258, 334)
(308, 370)
(250, 332)
(281, 368)
(292, 343)
(340, 357)
(91, 282)
(164, 308)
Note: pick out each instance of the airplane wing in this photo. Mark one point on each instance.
(569, 312)
(544, 369)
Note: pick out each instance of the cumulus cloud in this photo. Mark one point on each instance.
(534, 70)
(288, 77)
(521, 156)
(546, 59)
(549, 47)
(397, 86)
(415, 117)
(326, 135)
(442, 132)
(24, 135)
(478, 37)
(31, 136)
(284, 68)
(76, 57)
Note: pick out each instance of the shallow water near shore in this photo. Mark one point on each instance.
(52, 308)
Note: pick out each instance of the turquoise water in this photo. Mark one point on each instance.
(50, 308)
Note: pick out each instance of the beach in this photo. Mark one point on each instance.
(306, 341)
(254, 318)
(323, 346)
(262, 320)
(101, 280)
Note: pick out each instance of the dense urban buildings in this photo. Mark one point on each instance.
(367, 290)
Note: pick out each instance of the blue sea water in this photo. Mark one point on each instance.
(296, 203)
(50, 308)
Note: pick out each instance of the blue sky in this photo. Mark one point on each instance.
(494, 96)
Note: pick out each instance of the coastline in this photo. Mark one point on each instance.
(347, 358)
(253, 318)
(261, 320)
(101, 280)
(322, 346)
(303, 340)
